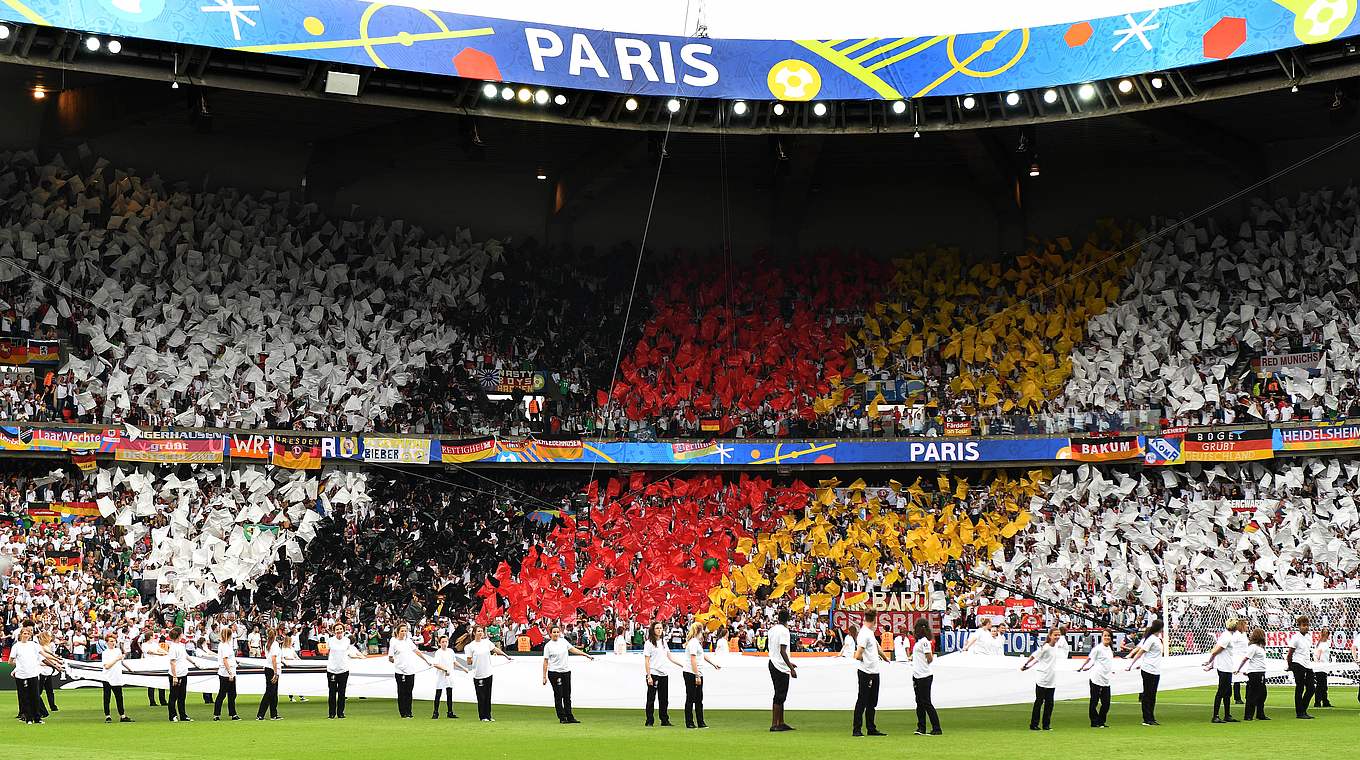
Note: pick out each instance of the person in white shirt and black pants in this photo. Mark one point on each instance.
(340, 650)
(694, 676)
(870, 659)
(1322, 658)
(655, 653)
(923, 678)
(479, 652)
(402, 652)
(557, 671)
(179, 676)
(226, 674)
(1221, 660)
(778, 644)
(1149, 653)
(1044, 661)
(1100, 662)
(1254, 661)
(273, 668)
(445, 660)
(28, 658)
(1298, 656)
(112, 661)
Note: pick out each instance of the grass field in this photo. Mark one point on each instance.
(373, 731)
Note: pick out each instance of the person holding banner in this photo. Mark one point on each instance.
(226, 674)
(28, 658)
(273, 668)
(1240, 643)
(1100, 662)
(557, 671)
(694, 676)
(1322, 656)
(1298, 656)
(923, 678)
(1221, 660)
(47, 671)
(777, 644)
(111, 659)
(153, 645)
(983, 640)
(479, 652)
(1045, 661)
(445, 660)
(655, 652)
(402, 652)
(339, 651)
(1149, 651)
(870, 658)
(1254, 660)
(178, 666)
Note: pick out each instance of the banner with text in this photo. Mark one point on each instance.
(1228, 445)
(387, 450)
(1316, 437)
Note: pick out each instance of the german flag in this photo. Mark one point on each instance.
(710, 425)
(84, 460)
(558, 450)
(63, 562)
(41, 512)
(297, 452)
(75, 508)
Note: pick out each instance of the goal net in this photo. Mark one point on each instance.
(1194, 619)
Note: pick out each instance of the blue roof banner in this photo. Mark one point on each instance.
(399, 36)
(726, 452)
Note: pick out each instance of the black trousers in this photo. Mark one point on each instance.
(866, 700)
(446, 694)
(151, 696)
(269, 701)
(780, 679)
(1256, 695)
(658, 692)
(1303, 688)
(1100, 704)
(1224, 693)
(1148, 697)
(561, 686)
(226, 690)
(28, 698)
(925, 707)
(483, 688)
(406, 686)
(117, 693)
(179, 691)
(694, 700)
(1320, 689)
(335, 693)
(45, 684)
(1043, 706)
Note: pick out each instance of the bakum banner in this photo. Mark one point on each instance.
(1105, 449)
(891, 66)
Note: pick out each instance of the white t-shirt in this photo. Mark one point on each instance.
(1302, 647)
(112, 676)
(921, 667)
(1223, 661)
(444, 658)
(871, 660)
(337, 654)
(180, 656)
(557, 653)
(1045, 667)
(27, 659)
(226, 653)
(1322, 653)
(900, 653)
(694, 653)
(480, 652)
(656, 657)
(1256, 659)
(620, 644)
(273, 659)
(403, 654)
(1102, 664)
(1151, 661)
(776, 637)
(984, 642)
(1061, 650)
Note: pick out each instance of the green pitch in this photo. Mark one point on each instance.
(372, 730)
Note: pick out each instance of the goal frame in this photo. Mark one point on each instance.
(1168, 594)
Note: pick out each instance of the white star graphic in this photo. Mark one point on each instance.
(723, 453)
(1137, 29)
(237, 14)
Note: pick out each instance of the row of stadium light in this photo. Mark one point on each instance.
(92, 43)
(492, 91)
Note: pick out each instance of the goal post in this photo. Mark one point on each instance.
(1192, 621)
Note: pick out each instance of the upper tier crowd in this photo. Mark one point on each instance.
(233, 310)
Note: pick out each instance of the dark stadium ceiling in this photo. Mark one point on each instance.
(1309, 66)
